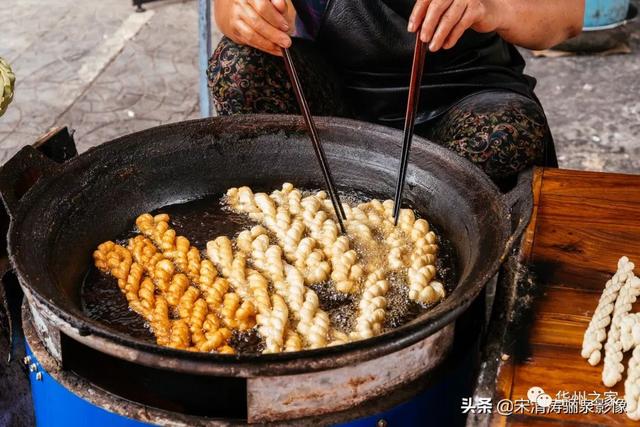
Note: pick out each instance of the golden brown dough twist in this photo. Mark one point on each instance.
(162, 272)
(175, 290)
(179, 285)
(180, 336)
(187, 302)
(160, 322)
(213, 287)
(196, 321)
(117, 261)
(180, 292)
(138, 289)
(147, 295)
(178, 249)
(236, 315)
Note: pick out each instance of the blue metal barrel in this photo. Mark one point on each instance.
(604, 12)
(58, 406)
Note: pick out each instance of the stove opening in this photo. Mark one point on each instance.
(200, 395)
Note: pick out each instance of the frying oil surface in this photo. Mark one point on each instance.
(204, 219)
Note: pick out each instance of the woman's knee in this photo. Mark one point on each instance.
(501, 132)
(245, 80)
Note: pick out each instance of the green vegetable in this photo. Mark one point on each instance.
(7, 79)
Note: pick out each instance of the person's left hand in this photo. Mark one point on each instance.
(442, 22)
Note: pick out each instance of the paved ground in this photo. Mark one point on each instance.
(98, 67)
(107, 71)
(593, 107)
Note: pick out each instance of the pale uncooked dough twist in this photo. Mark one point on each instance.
(273, 211)
(313, 323)
(613, 367)
(422, 272)
(372, 306)
(632, 386)
(596, 334)
(308, 236)
(272, 311)
(630, 330)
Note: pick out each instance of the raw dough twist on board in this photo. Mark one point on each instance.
(596, 334)
(613, 367)
(632, 386)
(620, 292)
(630, 331)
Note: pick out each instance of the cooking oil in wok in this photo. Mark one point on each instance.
(203, 220)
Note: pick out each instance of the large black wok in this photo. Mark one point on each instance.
(94, 197)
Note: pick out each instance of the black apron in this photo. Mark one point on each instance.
(368, 41)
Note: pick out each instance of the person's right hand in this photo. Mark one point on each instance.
(262, 24)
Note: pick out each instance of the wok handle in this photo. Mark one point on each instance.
(31, 163)
(17, 176)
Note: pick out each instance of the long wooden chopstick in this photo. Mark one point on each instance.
(313, 134)
(417, 68)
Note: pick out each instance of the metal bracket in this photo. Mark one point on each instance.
(56, 146)
(204, 52)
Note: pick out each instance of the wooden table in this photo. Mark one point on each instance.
(582, 223)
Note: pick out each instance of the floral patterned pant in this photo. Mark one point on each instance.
(500, 131)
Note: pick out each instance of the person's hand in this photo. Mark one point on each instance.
(263, 24)
(442, 22)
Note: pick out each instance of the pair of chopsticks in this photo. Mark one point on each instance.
(412, 105)
(417, 67)
(313, 134)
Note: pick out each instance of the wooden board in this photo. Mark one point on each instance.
(583, 222)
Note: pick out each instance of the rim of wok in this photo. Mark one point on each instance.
(151, 354)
